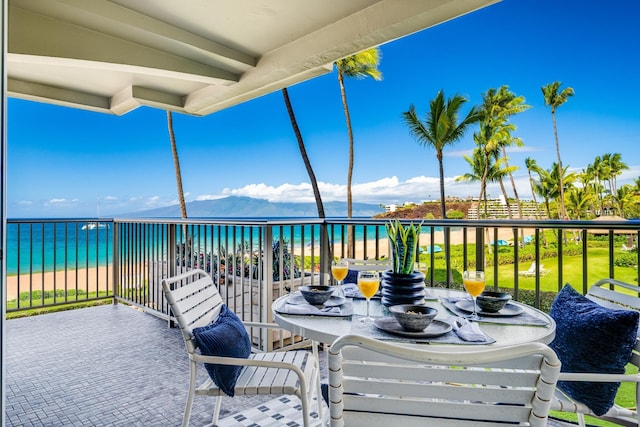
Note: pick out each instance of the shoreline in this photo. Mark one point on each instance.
(90, 279)
(97, 279)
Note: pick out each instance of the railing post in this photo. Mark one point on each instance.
(325, 255)
(479, 249)
(115, 261)
(266, 285)
(171, 250)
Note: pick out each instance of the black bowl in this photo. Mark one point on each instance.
(316, 294)
(413, 318)
(492, 302)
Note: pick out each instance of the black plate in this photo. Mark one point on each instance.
(508, 310)
(435, 328)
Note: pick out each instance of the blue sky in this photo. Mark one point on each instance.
(62, 161)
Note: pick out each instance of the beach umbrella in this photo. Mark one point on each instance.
(501, 243)
(436, 249)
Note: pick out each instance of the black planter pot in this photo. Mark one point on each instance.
(402, 288)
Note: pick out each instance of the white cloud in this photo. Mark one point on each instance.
(385, 190)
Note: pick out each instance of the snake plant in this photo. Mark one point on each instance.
(404, 245)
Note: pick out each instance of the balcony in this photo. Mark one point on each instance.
(104, 364)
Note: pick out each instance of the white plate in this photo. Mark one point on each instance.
(391, 325)
(296, 298)
(508, 310)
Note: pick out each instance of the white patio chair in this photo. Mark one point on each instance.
(603, 294)
(369, 264)
(376, 383)
(195, 301)
(531, 272)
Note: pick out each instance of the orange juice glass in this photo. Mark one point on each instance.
(368, 283)
(339, 270)
(474, 283)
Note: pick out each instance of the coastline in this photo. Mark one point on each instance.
(456, 238)
(91, 279)
(97, 279)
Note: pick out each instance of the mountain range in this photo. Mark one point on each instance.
(248, 207)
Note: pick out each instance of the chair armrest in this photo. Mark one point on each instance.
(252, 362)
(262, 325)
(598, 377)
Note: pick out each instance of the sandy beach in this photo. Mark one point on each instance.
(90, 279)
(456, 237)
(94, 279)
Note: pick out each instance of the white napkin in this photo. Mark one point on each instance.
(351, 290)
(309, 309)
(468, 331)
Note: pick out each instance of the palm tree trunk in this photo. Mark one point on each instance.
(347, 115)
(506, 197)
(443, 206)
(176, 165)
(560, 174)
(303, 153)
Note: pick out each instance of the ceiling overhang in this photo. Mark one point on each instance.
(198, 56)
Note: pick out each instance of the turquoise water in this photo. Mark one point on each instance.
(41, 247)
(38, 247)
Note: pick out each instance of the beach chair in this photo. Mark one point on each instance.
(531, 272)
(195, 301)
(377, 383)
(616, 295)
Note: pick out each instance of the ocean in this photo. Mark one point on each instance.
(34, 247)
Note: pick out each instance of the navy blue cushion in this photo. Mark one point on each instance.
(591, 338)
(352, 277)
(226, 337)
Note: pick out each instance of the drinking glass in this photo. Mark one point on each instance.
(339, 270)
(368, 283)
(474, 284)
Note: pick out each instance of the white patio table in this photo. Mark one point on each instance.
(505, 330)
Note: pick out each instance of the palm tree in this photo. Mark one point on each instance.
(498, 106)
(615, 166)
(441, 129)
(554, 98)
(579, 199)
(176, 165)
(532, 166)
(361, 65)
(303, 153)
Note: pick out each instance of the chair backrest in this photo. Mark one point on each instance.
(615, 294)
(369, 264)
(376, 383)
(194, 301)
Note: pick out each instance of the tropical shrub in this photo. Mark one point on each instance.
(455, 214)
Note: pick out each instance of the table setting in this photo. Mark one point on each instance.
(319, 301)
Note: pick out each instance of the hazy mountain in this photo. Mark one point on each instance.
(242, 207)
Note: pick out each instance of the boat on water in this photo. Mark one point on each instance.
(95, 225)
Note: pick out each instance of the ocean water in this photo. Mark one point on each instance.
(40, 247)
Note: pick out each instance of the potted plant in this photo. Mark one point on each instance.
(402, 284)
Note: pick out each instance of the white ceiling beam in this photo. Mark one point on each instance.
(134, 96)
(57, 39)
(55, 95)
(384, 21)
(122, 22)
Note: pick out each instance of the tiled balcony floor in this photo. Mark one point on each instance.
(103, 366)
